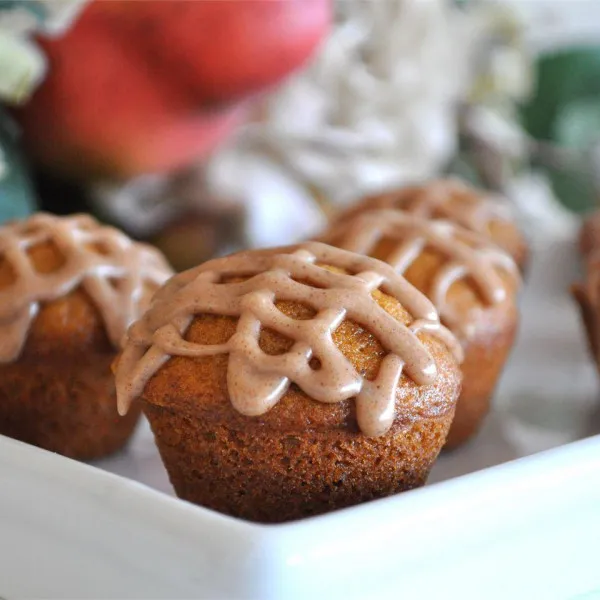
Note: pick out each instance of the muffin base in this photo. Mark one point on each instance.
(589, 316)
(271, 477)
(65, 408)
(485, 358)
(470, 415)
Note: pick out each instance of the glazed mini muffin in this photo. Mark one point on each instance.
(290, 382)
(472, 283)
(587, 293)
(69, 288)
(455, 201)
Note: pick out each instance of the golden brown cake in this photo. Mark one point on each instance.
(455, 201)
(290, 382)
(589, 235)
(472, 283)
(69, 288)
(587, 293)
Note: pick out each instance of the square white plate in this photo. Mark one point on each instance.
(486, 528)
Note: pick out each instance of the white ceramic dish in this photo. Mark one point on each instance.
(529, 528)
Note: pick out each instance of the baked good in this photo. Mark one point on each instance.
(455, 201)
(587, 292)
(472, 283)
(69, 288)
(289, 382)
(589, 235)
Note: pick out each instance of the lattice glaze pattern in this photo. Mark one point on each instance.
(447, 199)
(117, 273)
(470, 257)
(257, 381)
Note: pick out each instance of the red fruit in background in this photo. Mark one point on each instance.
(224, 49)
(146, 86)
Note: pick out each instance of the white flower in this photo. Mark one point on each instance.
(22, 64)
(22, 67)
(376, 108)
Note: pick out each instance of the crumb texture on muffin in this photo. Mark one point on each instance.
(45, 258)
(434, 256)
(334, 286)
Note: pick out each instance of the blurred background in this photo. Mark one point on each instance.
(208, 126)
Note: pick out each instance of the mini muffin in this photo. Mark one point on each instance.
(589, 235)
(472, 283)
(290, 382)
(455, 201)
(69, 288)
(587, 293)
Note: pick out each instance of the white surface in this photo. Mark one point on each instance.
(526, 530)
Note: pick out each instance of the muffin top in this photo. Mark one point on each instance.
(326, 288)
(45, 257)
(455, 201)
(460, 271)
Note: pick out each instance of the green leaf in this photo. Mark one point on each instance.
(563, 77)
(17, 198)
(565, 110)
(577, 125)
(575, 190)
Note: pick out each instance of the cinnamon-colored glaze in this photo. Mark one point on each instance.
(56, 387)
(455, 268)
(301, 457)
(45, 259)
(472, 283)
(338, 288)
(455, 201)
